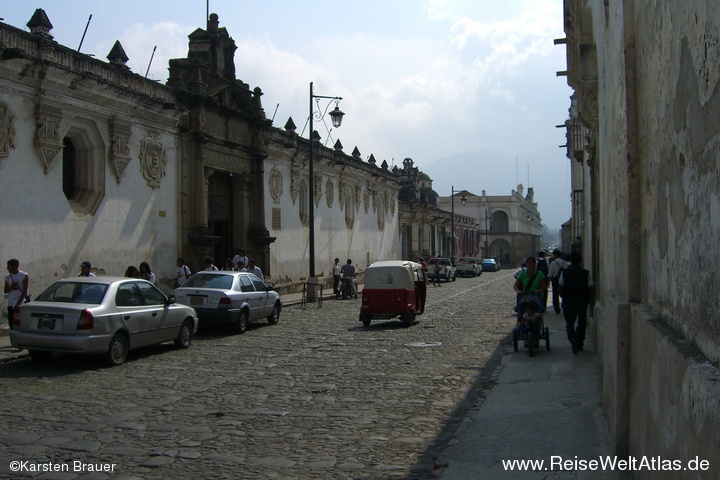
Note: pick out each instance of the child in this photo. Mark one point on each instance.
(531, 318)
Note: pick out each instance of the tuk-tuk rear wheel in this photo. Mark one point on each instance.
(365, 319)
(408, 318)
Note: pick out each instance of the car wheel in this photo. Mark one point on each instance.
(39, 355)
(118, 350)
(184, 338)
(408, 318)
(275, 315)
(241, 322)
(365, 319)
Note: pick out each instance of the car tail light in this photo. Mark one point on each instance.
(86, 321)
(225, 302)
(16, 316)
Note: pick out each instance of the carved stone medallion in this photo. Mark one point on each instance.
(152, 159)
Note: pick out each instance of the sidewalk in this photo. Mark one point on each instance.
(548, 407)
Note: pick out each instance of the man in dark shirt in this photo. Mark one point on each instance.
(348, 273)
(578, 291)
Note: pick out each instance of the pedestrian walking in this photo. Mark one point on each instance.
(557, 265)
(85, 269)
(146, 273)
(578, 291)
(209, 267)
(240, 260)
(182, 273)
(436, 269)
(336, 277)
(16, 288)
(542, 266)
(252, 268)
(132, 272)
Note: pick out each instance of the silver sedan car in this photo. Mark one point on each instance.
(230, 297)
(101, 315)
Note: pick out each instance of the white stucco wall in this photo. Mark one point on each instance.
(132, 223)
(657, 225)
(364, 243)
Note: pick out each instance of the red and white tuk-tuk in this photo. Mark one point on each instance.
(393, 288)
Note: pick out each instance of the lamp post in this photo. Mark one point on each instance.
(463, 200)
(336, 116)
(487, 245)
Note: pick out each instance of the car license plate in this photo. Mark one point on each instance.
(197, 300)
(46, 324)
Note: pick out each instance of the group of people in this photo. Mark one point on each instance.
(144, 272)
(239, 263)
(569, 281)
(346, 272)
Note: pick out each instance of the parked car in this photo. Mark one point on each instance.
(490, 265)
(230, 297)
(101, 315)
(447, 269)
(469, 266)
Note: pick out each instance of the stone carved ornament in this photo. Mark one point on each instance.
(119, 147)
(329, 192)
(152, 159)
(342, 194)
(294, 186)
(317, 190)
(366, 199)
(7, 131)
(47, 136)
(276, 185)
(358, 197)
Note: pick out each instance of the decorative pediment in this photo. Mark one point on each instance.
(7, 131)
(47, 136)
(152, 159)
(120, 133)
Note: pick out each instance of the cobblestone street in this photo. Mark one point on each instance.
(317, 396)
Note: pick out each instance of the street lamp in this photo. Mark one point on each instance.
(487, 245)
(336, 116)
(463, 200)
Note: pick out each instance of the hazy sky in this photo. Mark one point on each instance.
(421, 79)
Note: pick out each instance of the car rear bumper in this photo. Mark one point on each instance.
(60, 343)
(216, 315)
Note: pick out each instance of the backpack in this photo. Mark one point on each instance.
(542, 266)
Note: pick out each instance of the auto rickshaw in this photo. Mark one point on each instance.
(393, 288)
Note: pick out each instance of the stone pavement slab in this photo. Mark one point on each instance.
(546, 408)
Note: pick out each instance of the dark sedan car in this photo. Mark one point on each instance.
(101, 315)
(230, 297)
(490, 265)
